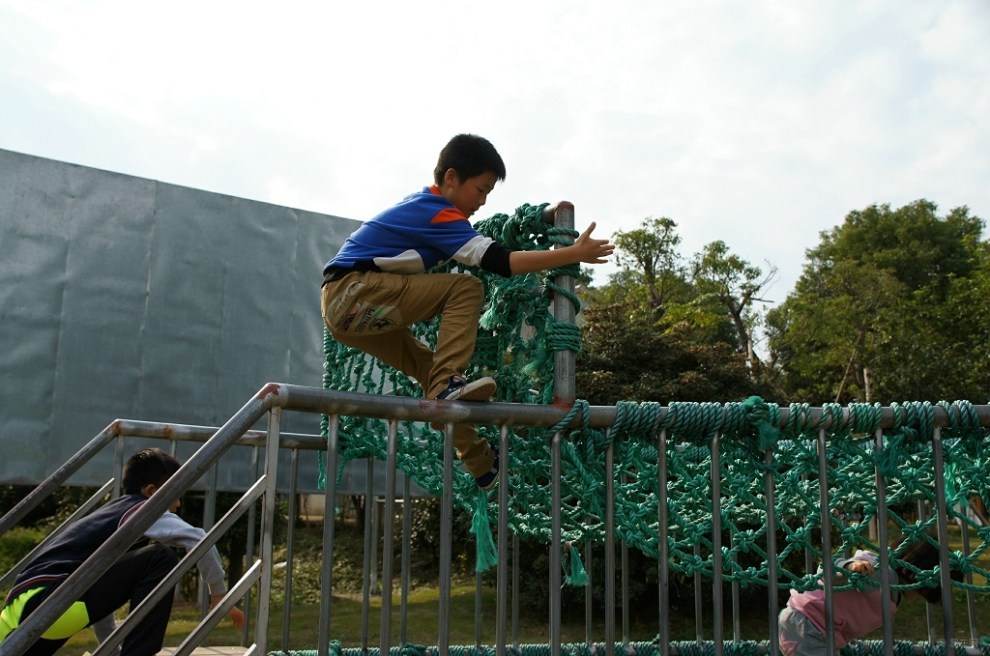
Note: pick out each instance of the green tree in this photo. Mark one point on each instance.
(648, 257)
(890, 292)
(625, 360)
(651, 334)
(736, 284)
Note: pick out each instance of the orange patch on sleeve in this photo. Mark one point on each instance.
(448, 215)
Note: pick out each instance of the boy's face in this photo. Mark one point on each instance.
(468, 195)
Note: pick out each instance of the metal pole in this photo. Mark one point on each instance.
(663, 548)
(769, 490)
(290, 539)
(563, 310)
(624, 564)
(589, 608)
(826, 520)
(943, 537)
(268, 527)
(610, 549)
(716, 480)
(446, 551)
(883, 541)
(406, 560)
(369, 537)
(209, 517)
(249, 547)
(329, 521)
(555, 544)
(502, 575)
(515, 590)
(388, 548)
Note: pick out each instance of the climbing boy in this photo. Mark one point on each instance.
(130, 579)
(378, 285)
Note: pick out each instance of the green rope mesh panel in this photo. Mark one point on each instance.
(517, 338)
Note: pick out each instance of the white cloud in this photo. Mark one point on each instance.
(757, 123)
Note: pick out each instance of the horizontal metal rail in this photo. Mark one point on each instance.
(274, 398)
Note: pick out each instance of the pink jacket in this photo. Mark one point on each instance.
(855, 614)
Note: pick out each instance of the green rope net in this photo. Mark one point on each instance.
(517, 338)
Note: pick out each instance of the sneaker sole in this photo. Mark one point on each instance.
(477, 390)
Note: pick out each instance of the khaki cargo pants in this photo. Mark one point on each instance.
(372, 311)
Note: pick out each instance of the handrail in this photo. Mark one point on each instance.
(272, 399)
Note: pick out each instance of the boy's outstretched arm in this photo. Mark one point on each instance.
(584, 250)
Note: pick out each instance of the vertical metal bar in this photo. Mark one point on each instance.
(369, 536)
(446, 528)
(209, 518)
(663, 547)
(249, 549)
(624, 564)
(477, 610)
(376, 519)
(268, 525)
(565, 388)
(502, 576)
(770, 493)
(883, 541)
(699, 615)
(329, 522)
(118, 464)
(515, 590)
(929, 610)
(716, 485)
(610, 548)
(290, 539)
(736, 622)
(589, 610)
(942, 517)
(974, 635)
(555, 544)
(406, 559)
(388, 546)
(826, 520)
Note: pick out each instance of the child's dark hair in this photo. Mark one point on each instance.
(923, 555)
(148, 466)
(469, 155)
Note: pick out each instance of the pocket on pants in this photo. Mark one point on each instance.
(356, 310)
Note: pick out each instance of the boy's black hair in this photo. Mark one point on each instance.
(148, 466)
(923, 555)
(469, 155)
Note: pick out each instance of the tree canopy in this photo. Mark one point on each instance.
(887, 309)
(890, 306)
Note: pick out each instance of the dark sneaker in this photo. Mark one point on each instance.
(462, 390)
(487, 480)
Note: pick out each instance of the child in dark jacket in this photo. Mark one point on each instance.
(130, 579)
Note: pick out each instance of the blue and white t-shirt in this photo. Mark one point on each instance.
(423, 231)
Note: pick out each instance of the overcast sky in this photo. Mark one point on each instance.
(756, 122)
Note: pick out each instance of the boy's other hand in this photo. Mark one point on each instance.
(593, 251)
(236, 616)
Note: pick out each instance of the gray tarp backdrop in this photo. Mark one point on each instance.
(122, 297)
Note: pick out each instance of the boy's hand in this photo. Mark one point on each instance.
(592, 251)
(236, 615)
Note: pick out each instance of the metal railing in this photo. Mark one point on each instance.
(274, 398)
